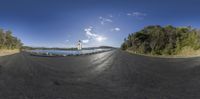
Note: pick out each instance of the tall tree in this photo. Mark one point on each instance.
(162, 40)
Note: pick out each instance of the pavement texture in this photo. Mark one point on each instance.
(109, 75)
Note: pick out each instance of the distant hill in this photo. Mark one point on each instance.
(55, 48)
(106, 47)
(167, 40)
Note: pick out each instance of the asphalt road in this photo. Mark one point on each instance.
(109, 75)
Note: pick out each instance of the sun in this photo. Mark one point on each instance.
(100, 38)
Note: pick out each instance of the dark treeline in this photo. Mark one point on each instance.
(158, 40)
(8, 41)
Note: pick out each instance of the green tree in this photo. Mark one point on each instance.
(8, 41)
(162, 40)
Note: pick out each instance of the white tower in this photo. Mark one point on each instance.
(79, 45)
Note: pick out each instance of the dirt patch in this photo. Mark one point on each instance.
(8, 52)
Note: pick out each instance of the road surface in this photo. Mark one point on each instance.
(109, 75)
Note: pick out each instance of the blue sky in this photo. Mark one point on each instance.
(61, 23)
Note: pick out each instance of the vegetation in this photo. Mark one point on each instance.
(167, 40)
(8, 41)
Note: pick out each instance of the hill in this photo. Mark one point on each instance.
(55, 48)
(167, 40)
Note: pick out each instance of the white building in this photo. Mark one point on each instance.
(79, 45)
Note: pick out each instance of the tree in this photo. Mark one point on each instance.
(7, 41)
(162, 40)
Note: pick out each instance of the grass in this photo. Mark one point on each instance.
(184, 53)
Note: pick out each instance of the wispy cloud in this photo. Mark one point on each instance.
(91, 35)
(105, 20)
(89, 32)
(116, 29)
(137, 14)
(66, 40)
(110, 15)
(85, 41)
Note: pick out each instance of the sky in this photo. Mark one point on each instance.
(62, 23)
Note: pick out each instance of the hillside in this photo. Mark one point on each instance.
(167, 40)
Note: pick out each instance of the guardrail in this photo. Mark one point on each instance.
(53, 53)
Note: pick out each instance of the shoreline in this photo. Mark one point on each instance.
(5, 52)
(193, 55)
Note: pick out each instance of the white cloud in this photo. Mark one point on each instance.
(89, 33)
(137, 14)
(92, 36)
(129, 14)
(67, 40)
(104, 20)
(85, 41)
(116, 29)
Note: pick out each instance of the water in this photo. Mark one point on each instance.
(66, 52)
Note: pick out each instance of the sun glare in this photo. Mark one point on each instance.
(100, 38)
